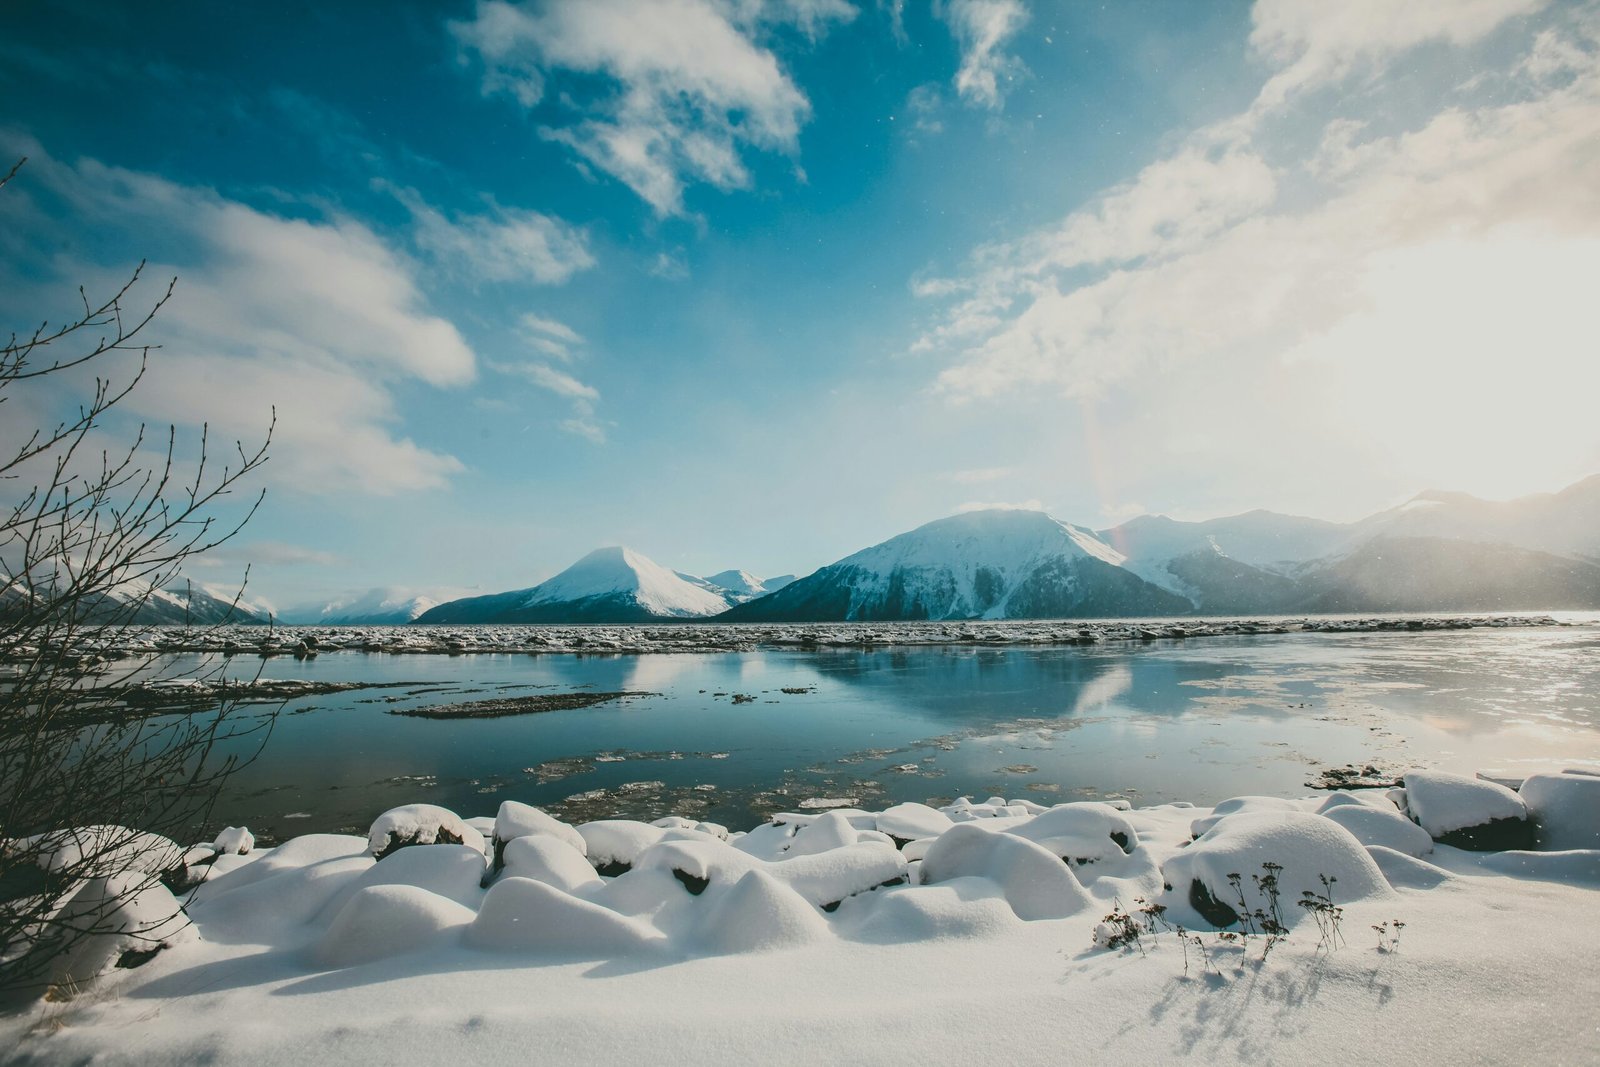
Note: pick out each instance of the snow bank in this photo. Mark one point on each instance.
(1238, 805)
(454, 872)
(380, 921)
(1034, 881)
(1222, 866)
(1467, 812)
(1566, 808)
(613, 844)
(100, 851)
(522, 915)
(420, 824)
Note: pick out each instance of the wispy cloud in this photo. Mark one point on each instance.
(558, 341)
(1365, 269)
(982, 29)
(318, 316)
(693, 87)
(499, 245)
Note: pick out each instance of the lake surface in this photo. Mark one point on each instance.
(1200, 720)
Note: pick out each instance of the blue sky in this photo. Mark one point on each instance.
(756, 283)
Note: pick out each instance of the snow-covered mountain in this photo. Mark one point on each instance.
(609, 585)
(737, 586)
(994, 564)
(375, 607)
(138, 603)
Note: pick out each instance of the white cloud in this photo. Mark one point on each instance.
(692, 85)
(501, 245)
(1314, 42)
(1384, 299)
(982, 29)
(318, 318)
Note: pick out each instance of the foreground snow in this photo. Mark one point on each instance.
(962, 934)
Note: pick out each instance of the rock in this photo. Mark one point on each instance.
(1034, 881)
(1566, 809)
(1304, 847)
(420, 824)
(1468, 812)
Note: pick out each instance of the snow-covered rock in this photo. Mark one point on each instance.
(1389, 829)
(1034, 881)
(909, 822)
(420, 824)
(516, 820)
(613, 844)
(126, 918)
(1467, 812)
(234, 841)
(99, 851)
(1082, 832)
(1305, 846)
(454, 872)
(549, 859)
(1566, 808)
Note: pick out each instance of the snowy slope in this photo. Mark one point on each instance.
(613, 571)
(996, 564)
(609, 585)
(737, 586)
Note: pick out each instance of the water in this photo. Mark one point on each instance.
(1169, 720)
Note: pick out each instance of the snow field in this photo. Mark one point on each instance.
(974, 936)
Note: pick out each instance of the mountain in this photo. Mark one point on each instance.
(375, 607)
(992, 564)
(1443, 574)
(738, 586)
(609, 585)
(136, 603)
(1563, 524)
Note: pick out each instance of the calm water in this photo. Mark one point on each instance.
(1200, 721)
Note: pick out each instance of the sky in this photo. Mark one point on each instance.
(757, 283)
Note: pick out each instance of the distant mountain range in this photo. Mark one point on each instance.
(1437, 552)
(138, 603)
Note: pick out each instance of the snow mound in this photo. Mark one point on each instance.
(908, 822)
(966, 907)
(1389, 829)
(265, 910)
(454, 872)
(759, 913)
(1035, 882)
(1235, 806)
(1306, 847)
(1407, 872)
(612, 845)
(380, 921)
(826, 878)
(132, 917)
(1566, 807)
(522, 915)
(1083, 832)
(100, 851)
(551, 860)
(1466, 812)
(830, 831)
(420, 824)
(516, 820)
